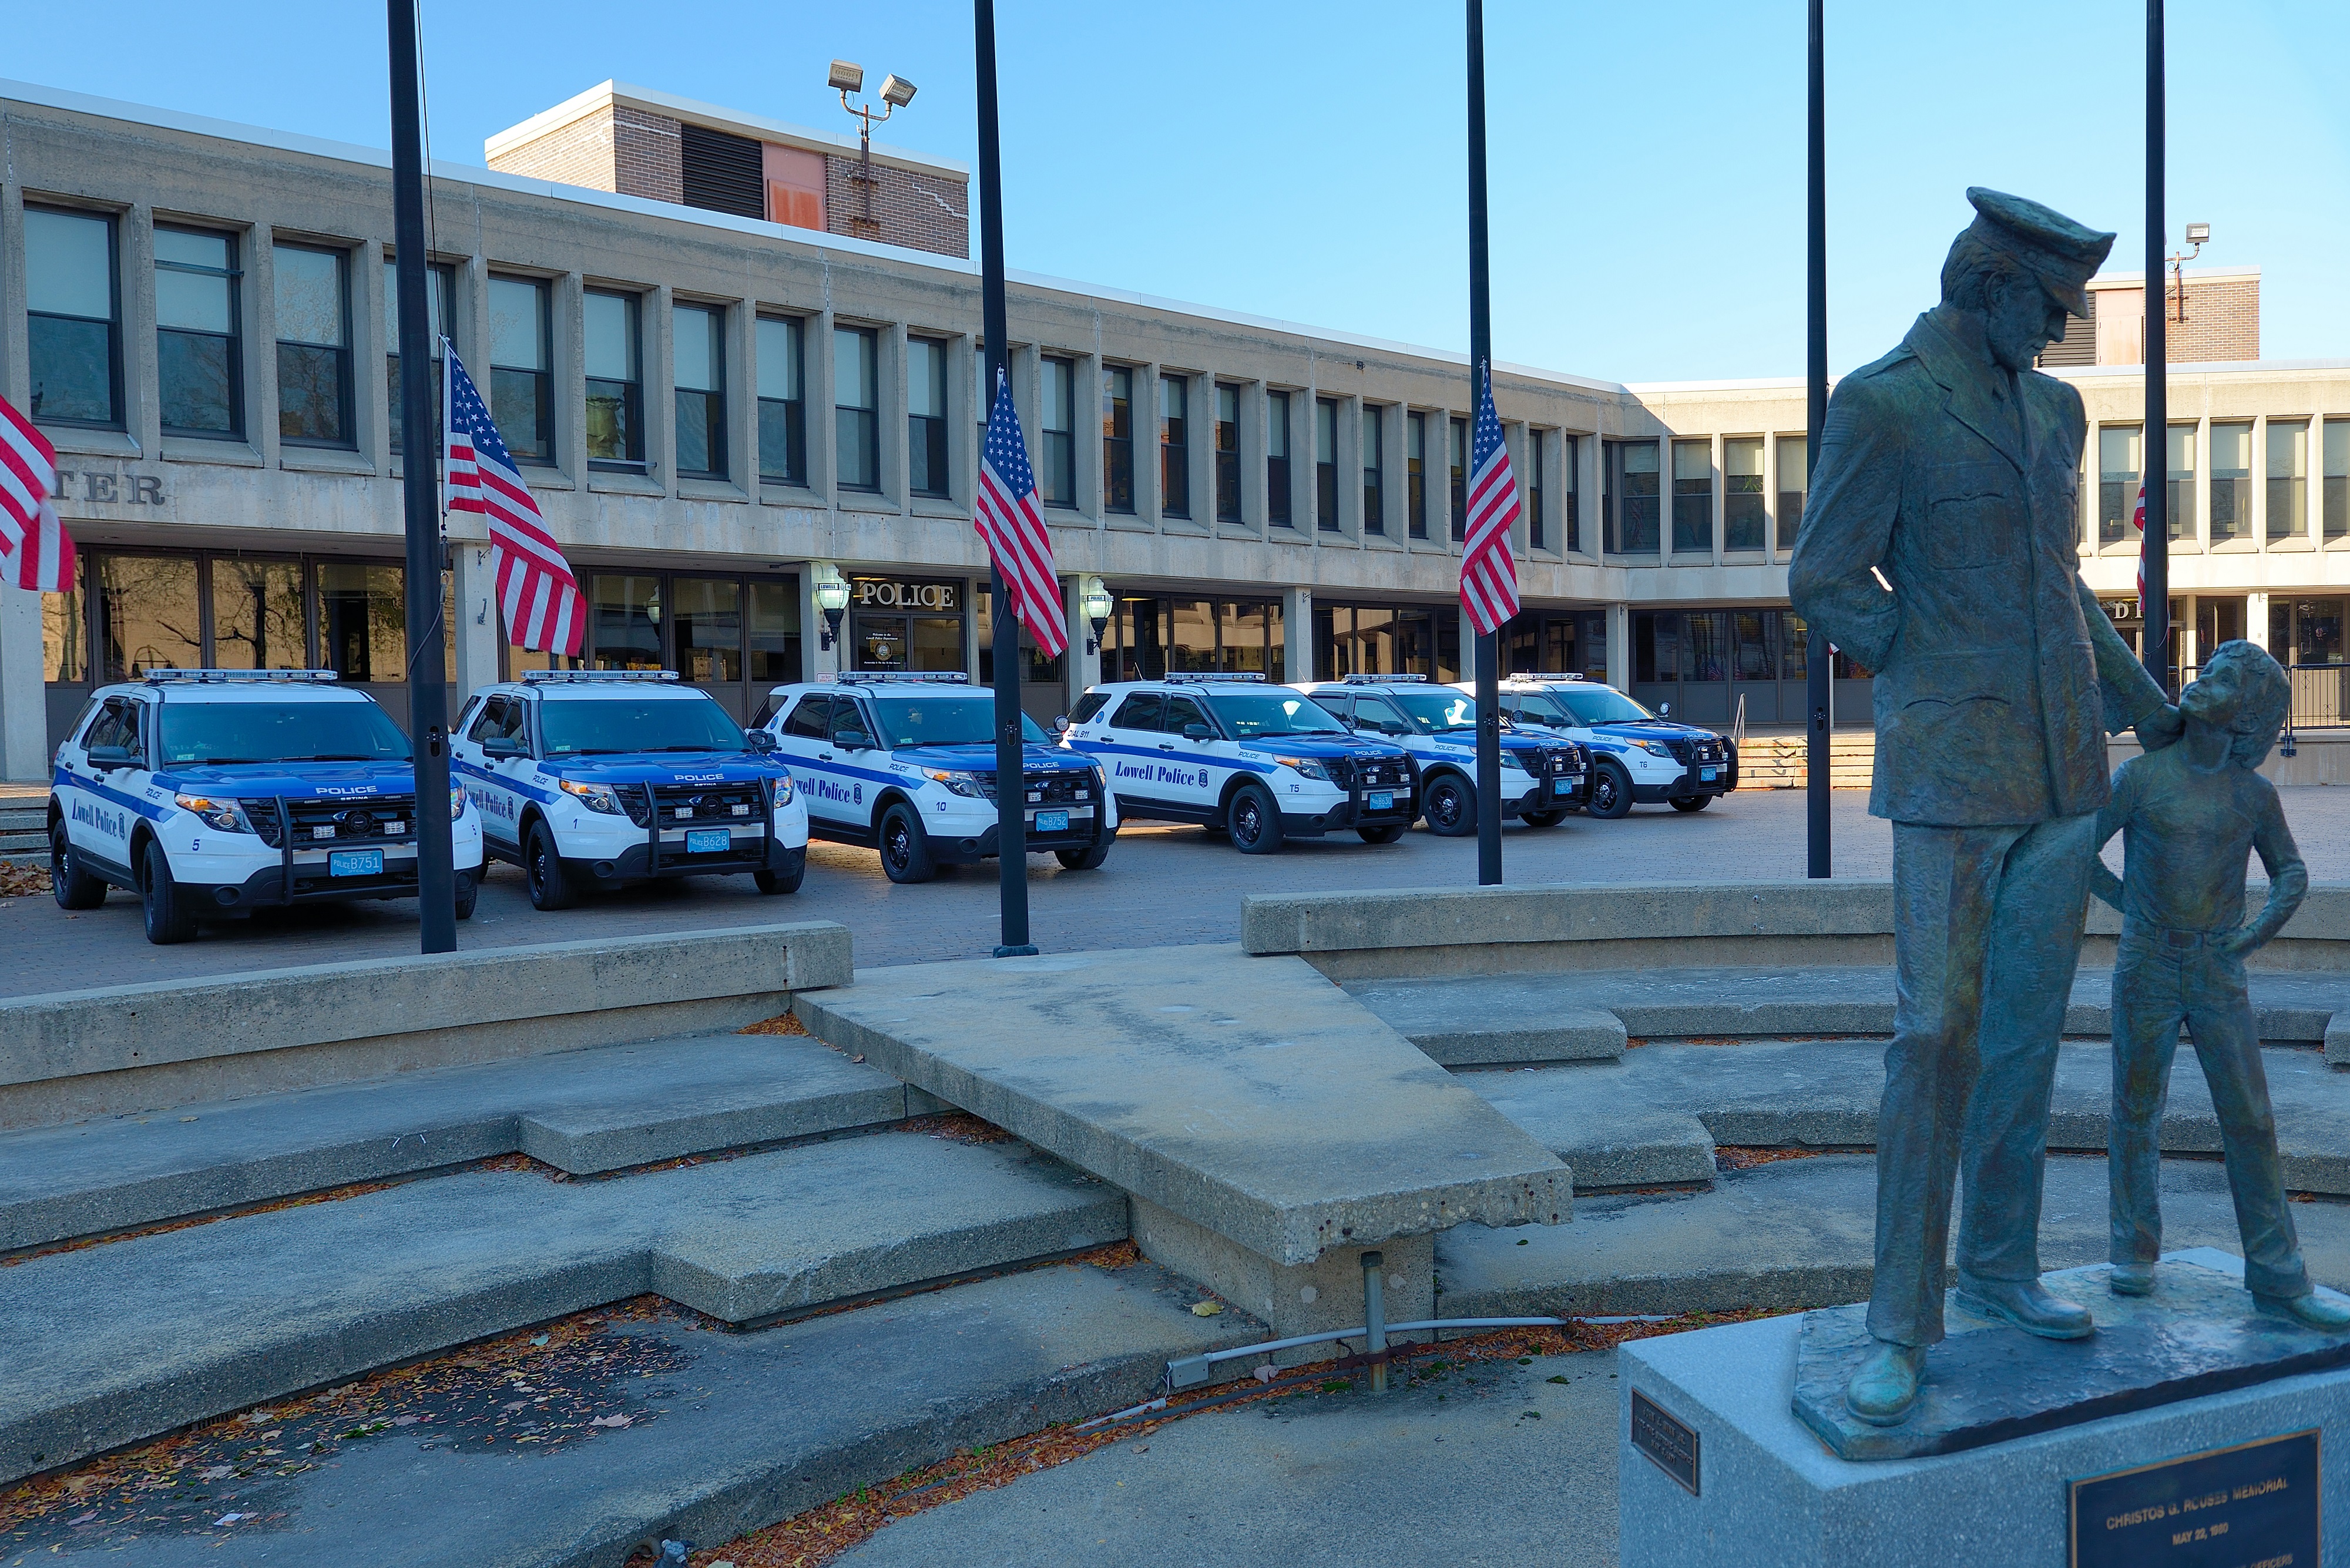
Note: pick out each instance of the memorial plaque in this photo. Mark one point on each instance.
(1671, 1444)
(2253, 1504)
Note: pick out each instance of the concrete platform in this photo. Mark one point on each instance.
(1487, 1020)
(584, 1112)
(123, 1341)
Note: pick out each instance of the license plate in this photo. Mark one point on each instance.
(709, 841)
(354, 863)
(1707, 775)
(1052, 822)
(1380, 800)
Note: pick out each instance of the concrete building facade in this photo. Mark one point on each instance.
(714, 411)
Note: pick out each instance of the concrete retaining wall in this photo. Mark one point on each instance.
(1586, 926)
(69, 1054)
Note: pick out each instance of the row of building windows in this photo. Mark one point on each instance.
(2232, 465)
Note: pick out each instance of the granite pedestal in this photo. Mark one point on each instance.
(1717, 1406)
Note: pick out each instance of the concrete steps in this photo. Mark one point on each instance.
(120, 1342)
(24, 832)
(1780, 762)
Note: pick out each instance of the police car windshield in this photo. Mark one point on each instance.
(965, 719)
(1600, 705)
(602, 725)
(1257, 715)
(1437, 710)
(194, 734)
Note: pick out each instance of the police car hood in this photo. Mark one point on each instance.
(1654, 729)
(295, 781)
(1320, 745)
(981, 758)
(665, 768)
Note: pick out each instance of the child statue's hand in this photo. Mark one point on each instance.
(2240, 940)
(2160, 728)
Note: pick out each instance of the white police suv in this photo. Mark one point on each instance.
(905, 764)
(1637, 755)
(1231, 753)
(1544, 776)
(218, 792)
(593, 778)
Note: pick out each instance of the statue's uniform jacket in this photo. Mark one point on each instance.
(1997, 673)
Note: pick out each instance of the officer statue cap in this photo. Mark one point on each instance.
(2063, 254)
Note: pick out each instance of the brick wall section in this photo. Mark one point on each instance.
(918, 210)
(648, 155)
(614, 148)
(2223, 321)
(579, 153)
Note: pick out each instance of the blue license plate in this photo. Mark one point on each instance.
(1380, 800)
(1052, 822)
(1707, 775)
(709, 841)
(354, 863)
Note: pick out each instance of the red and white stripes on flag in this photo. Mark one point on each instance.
(1008, 517)
(537, 595)
(1489, 574)
(2138, 521)
(35, 551)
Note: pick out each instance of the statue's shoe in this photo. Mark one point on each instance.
(2131, 1279)
(2312, 1309)
(2025, 1306)
(1886, 1385)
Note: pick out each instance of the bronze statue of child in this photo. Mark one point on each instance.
(2190, 815)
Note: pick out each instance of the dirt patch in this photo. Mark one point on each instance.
(1733, 1158)
(781, 1023)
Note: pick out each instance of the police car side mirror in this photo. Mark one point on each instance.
(1664, 709)
(1198, 732)
(108, 758)
(758, 742)
(852, 740)
(501, 746)
(1060, 724)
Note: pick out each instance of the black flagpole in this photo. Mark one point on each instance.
(428, 691)
(2154, 442)
(1481, 355)
(1011, 771)
(1817, 670)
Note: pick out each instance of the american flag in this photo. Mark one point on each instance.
(1489, 578)
(1007, 517)
(2138, 521)
(536, 592)
(35, 551)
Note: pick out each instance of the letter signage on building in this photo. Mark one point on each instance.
(895, 594)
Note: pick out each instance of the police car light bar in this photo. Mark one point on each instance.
(1553, 678)
(1384, 680)
(542, 677)
(221, 677)
(1203, 678)
(879, 677)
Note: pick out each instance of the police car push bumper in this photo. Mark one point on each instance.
(1063, 810)
(303, 840)
(621, 820)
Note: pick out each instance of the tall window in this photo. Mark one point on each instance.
(314, 337)
(1415, 465)
(199, 376)
(1743, 525)
(1634, 503)
(1326, 465)
(74, 304)
(1117, 439)
(2181, 519)
(1058, 424)
(1794, 469)
(1537, 525)
(1458, 473)
(439, 283)
(1228, 454)
(782, 402)
(700, 365)
(2288, 478)
(2118, 479)
(926, 415)
(1570, 487)
(615, 381)
(522, 367)
(1693, 497)
(2336, 500)
(1174, 447)
(1374, 457)
(856, 430)
(1276, 459)
(2231, 482)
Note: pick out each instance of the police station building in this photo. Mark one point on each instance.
(739, 364)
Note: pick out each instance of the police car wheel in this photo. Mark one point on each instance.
(776, 882)
(542, 867)
(168, 919)
(1450, 807)
(1542, 818)
(1692, 802)
(1082, 859)
(1253, 821)
(1385, 833)
(74, 887)
(905, 847)
(469, 893)
(1611, 790)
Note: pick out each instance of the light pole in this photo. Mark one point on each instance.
(1488, 667)
(897, 92)
(1818, 693)
(2153, 544)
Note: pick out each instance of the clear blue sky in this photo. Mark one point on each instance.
(1305, 160)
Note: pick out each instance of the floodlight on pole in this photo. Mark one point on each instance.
(2198, 235)
(848, 77)
(897, 91)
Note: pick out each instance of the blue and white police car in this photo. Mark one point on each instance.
(595, 778)
(1637, 755)
(1544, 776)
(1235, 754)
(218, 792)
(905, 764)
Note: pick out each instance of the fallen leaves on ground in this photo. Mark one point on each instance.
(1732, 1157)
(23, 881)
(781, 1023)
